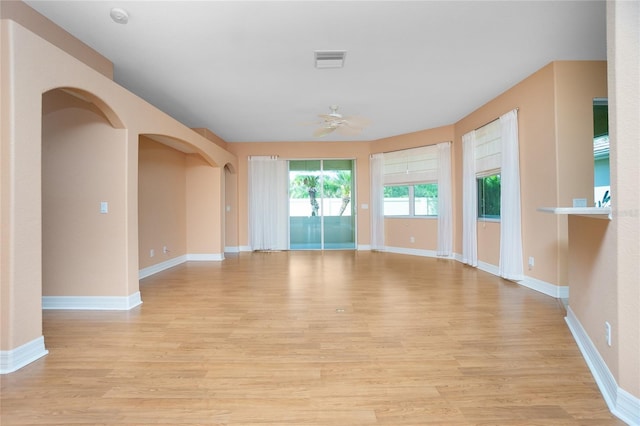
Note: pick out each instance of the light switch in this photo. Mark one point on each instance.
(104, 207)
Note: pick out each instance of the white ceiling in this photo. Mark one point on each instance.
(245, 69)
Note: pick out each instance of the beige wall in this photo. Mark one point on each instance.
(553, 122)
(592, 280)
(24, 78)
(534, 97)
(205, 195)
(231, 210)
(212, 137)
(37, 23)
(604, 267)
(358, 151)
(178, 204)
(161, 202)
(577, 83)
(623, 46)
(489, 242)
(413, 140)
(398, 233)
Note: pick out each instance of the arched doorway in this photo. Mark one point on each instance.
(84, 209)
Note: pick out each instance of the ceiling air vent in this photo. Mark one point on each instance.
(330, 58)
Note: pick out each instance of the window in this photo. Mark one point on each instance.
(396, 200)
(426, 199)
(601, 171)
(411, 200)
(489, 196)
(410, 177)
(488, 160)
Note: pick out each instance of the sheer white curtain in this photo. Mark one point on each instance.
(376, 170)
(445, 209)
(469, 200)
(268, 198)
(510, 266)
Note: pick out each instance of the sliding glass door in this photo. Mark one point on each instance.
(305, 227)
(321, 212)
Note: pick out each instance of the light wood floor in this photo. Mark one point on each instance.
(312, 338)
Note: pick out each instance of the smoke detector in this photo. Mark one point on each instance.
(119, 15)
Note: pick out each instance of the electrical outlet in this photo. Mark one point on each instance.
(607, 332)
(165, 250)
(412, 239)
(531, 262)
(152, 253)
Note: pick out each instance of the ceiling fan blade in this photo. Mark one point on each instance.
(322, 131)
(349, 131)
(357, 121)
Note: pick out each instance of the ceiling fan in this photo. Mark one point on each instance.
(348, 126)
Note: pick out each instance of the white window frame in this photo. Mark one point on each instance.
(412, 201)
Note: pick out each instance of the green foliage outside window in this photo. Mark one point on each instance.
(396, 191)
(489, 197)
(411, 200)
(425, 199)
(426, 190)
(335, 184)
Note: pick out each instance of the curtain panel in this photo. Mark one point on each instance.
(510, 266)
(268, 201)
(469, 200)
(445, 208)
(377, 201)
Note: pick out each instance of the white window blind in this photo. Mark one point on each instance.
(413, 165)
(488, 147)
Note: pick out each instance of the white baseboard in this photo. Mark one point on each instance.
(205, 257)
(159, 267)
(558, 292)
(621, 403)
(364, 247)
(487, 267)
(245, 248)
(232, 249)
(194, 257)
(411, 252)
(447, 257)
(17, 358)
(97, 303)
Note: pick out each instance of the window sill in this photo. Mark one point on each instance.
(411, 217)
(489, 219)
(591, 212)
